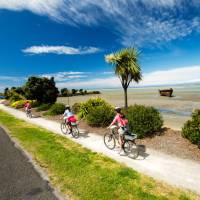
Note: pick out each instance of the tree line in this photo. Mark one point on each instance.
(64, 92)
(43, 90)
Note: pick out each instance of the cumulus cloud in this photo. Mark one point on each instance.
(136, 22)
(45, 49)
(165, 77)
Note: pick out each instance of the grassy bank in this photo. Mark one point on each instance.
(82, 174)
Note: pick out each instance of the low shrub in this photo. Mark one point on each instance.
(43, 107)
(86, 107)
(191, 128)
(56, 109)
(97, 112)
(144, 120)
(100, 115)
(20, 103)
(16, 97)
(76, 107)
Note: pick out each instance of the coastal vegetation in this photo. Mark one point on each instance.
(20, 103)
(43, 90)
(191, 129)
(144, 120)
(97, 112)
(43, 107)
(56, 109)
(99, 177)
(65, 92)
(126, 67)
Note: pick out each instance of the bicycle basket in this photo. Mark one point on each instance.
(73, 123)
(130, 137)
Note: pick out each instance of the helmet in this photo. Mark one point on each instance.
(67, 106)
(117, 109)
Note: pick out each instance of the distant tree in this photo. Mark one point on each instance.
(81, 91)
(96, 92)
(126, 67)
(20, 90)
(64, 92)
(85, 91)
(41, 89)
(6, 93)
(74, 91)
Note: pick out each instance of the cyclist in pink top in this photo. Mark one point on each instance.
(122, 123)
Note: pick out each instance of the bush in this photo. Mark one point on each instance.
(56, 109)
(100, 115)
(20, 103)
(15, 97)
(86, 107)
(34, 103)
(191, 129)
(76, 108)
(143, 120)
(43, 107)
(97, 112)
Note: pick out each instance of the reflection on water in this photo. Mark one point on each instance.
(174, 112)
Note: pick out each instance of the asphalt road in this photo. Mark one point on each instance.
(18, 178)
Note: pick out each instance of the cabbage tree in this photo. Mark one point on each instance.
(126, 67)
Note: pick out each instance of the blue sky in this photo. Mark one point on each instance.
(68, 39)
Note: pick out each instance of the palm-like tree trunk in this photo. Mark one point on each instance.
(125, 97)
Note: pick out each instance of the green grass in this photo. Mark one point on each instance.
(83, 174)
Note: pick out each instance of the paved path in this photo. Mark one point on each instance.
(175, 171)
(18, 178)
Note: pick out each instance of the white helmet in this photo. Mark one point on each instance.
(117, 109)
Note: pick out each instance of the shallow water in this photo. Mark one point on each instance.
(174, 112)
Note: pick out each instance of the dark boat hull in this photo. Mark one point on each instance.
(167, 92)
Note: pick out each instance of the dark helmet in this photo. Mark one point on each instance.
(118, 109)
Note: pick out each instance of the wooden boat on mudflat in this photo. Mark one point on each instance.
(166, 92)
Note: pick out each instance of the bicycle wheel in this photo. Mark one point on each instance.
(30, 115)
(75, 132)
(109, 141)
(63, 127)
(131, 149)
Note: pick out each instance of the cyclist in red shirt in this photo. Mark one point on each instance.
(27, 106)
(122, 124)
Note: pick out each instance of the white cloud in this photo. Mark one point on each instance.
(11, 78)
(60, 50)
(137, 22)
(165, 77)
(173, 76)
(64, 76)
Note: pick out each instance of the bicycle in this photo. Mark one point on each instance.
(66, 129)
(28, 113)
(111, 138)
(129, 146)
